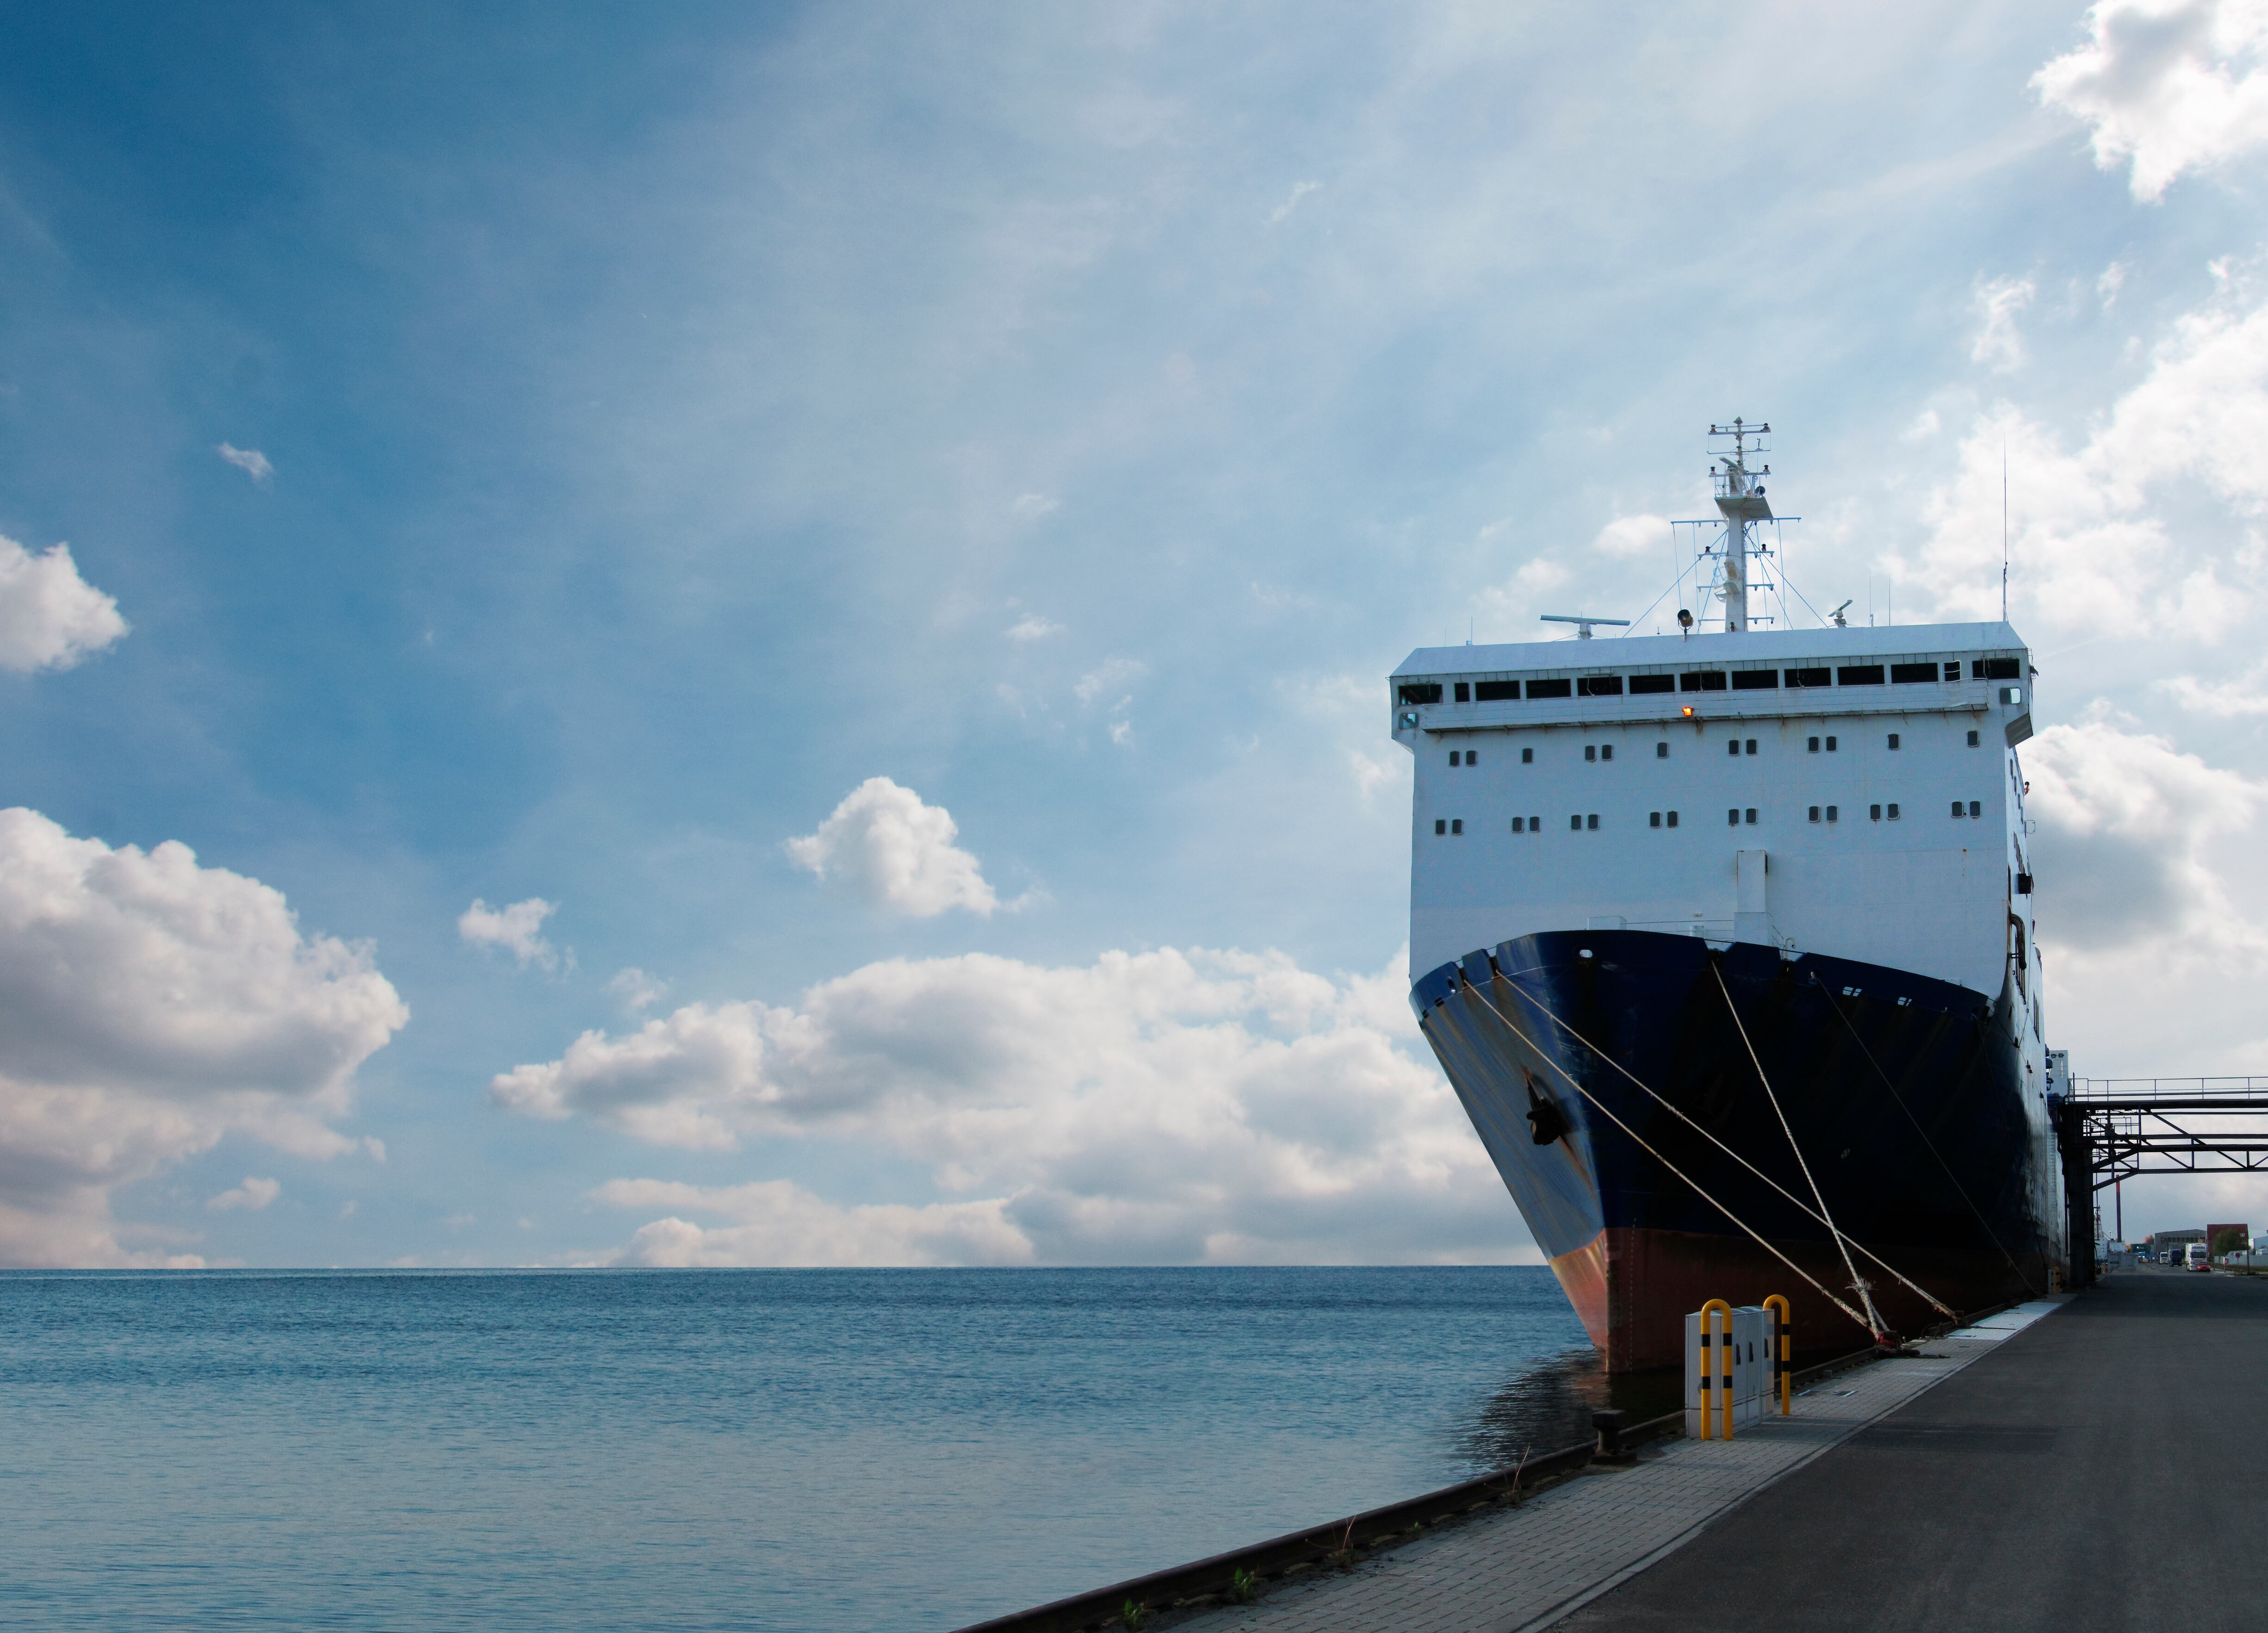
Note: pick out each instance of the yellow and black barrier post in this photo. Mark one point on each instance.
(1783, 1332)
(1723, 1391)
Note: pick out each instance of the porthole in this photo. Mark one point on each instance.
(1833, 815)
(1732, 818)
(1528, 757)
(1972, 739)
(1456, 824)
(1653, 819)
(1815, 813)
(1660, 750)
(1673, 819)
(1959, 809)
(1453, 756)
(1749, 816)
(1591, 753)
(1811, 745)
(1520, 824)
(1894, 810)
(1605, 751)
(1733, 746)
(1830, 745)
(1592, 821)
(1440, 824)
(1752, 745)
(1976, 808)
(1893, 740)
(1575, 824)
(1873, 813)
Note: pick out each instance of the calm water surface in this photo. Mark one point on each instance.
(793, 1449)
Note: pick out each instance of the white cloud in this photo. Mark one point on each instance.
(1032, 626)
(2113, 280)
(1299, 190)
(1999, 344)
(1113, 673)
(778, 1223)
(2088, 553)
(1633, 536)
(637, 989)
(518, 929)
(2126, 824)
(252, 461)
(253, 1195)
(1515, 605)
(148, 1008)
(1032, 507)
(1153, 1107)
(2173, 86)
(896, 852)
(50, 617)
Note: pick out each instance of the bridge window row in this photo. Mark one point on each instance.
(1908, 673)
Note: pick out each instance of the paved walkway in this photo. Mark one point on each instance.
(2106, 1470)
(1529, 1567)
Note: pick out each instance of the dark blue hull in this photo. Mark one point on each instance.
(1915, 1102)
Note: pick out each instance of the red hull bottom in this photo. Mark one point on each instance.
(1632, 1290)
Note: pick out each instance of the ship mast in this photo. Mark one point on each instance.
(1741, 500)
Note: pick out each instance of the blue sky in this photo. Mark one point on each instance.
(667, 425)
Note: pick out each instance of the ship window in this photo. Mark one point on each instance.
(1894, 810)
(1641, 684)
(1528, 757)
(1733, 746)
(1575, 824)
(1907, 674)
(1591, 752)
(1972, 739)
(1600, 686)
(1860, 675)
(1752, 745)
(1701, 680)
(1592, 821)
(1953, 671)
(1805, 678)
(1422, 691)
(1549, 689)
(1453, 756)
(1605, 751)
(1673, 819)
(1495, 691)
(1749, 816)
(1520, 824)
(1833, 815)
(1812, 747)
(1976, 808)
(1441, 826)
(1536, 824)
(1994, 668)
(1893, 740)
(1456, 824)
(1660, 750)
(1653, 819)
(1815, 813)
(1756, 680)
(1464, 692)
(1732, 818)
(1472, 756)
(1873, 813)
(1959, 809)
(1830, 745)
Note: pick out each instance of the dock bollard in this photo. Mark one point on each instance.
(1609, 1424)
(1783, 1330)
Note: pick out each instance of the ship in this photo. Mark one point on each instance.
(1724, 938)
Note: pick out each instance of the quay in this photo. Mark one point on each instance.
(2095, 1460)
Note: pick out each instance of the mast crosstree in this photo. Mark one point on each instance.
(1741, 500)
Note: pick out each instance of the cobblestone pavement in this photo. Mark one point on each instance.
(1527, 1566)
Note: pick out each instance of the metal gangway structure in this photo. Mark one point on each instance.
(2111, 1129)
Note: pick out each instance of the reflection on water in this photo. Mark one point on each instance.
(1547, 1403)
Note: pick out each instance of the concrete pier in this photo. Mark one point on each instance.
(2105, 1465)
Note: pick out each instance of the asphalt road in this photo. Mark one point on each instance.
(2106, 1469)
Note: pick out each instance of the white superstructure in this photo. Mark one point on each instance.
(1851, 792)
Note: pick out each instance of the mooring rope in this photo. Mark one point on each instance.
(1959, 1189)
(1674, 1110)
(1641, 1144)
(1858, 1286)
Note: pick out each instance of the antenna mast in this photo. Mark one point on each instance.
(1740, 501)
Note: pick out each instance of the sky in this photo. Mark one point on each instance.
(723, 635)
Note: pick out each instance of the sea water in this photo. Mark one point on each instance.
(836, 1450)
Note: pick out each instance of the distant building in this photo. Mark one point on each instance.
(2226, 1238)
